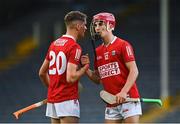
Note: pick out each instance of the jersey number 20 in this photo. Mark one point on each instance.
(60, 61)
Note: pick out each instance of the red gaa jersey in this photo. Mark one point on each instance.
(63, 50)
(110, 63)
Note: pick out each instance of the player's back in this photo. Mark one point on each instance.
(59, 54)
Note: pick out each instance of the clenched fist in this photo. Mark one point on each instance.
(85, 59)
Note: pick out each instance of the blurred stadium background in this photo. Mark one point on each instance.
(28, 27)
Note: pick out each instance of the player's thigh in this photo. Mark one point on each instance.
(69, 119)
(113, 113)
(55, 121)
(132, 119)
(131, 112)
(112, 121)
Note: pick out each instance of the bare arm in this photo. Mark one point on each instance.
(73, 73)
(133, 74)
(93, 75)
(43, 72)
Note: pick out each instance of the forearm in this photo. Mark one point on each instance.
(76, 75)
(93, 76)
(133, 74)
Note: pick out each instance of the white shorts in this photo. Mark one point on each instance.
(62, 109)
(123, 111)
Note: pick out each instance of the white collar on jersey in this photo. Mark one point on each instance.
(66, 35)
(111, 41)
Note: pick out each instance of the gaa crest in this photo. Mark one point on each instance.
(106, 56)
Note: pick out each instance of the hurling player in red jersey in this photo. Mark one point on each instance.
(60, 71)
(115, 68)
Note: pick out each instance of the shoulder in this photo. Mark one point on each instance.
(123, 42)
(67, 41)
(74, 44)
(99, 47)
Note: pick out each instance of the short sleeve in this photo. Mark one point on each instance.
(127, 52)
(75, 54)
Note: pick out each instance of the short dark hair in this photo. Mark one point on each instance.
(74, 16)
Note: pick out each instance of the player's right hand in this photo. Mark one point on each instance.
(85, 59)
(121, 97)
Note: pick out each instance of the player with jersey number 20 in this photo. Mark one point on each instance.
(60, 71)
(115, 67)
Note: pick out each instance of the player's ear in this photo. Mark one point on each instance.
(109, 27)
(78, 26)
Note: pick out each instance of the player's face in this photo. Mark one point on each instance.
(82, 29)
(100, 28)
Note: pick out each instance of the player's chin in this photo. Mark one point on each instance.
(101, 35)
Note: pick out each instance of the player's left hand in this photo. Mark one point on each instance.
(85, 59)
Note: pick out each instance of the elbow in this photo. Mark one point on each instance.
(71, 79)
(41, 74)
(136, 73)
